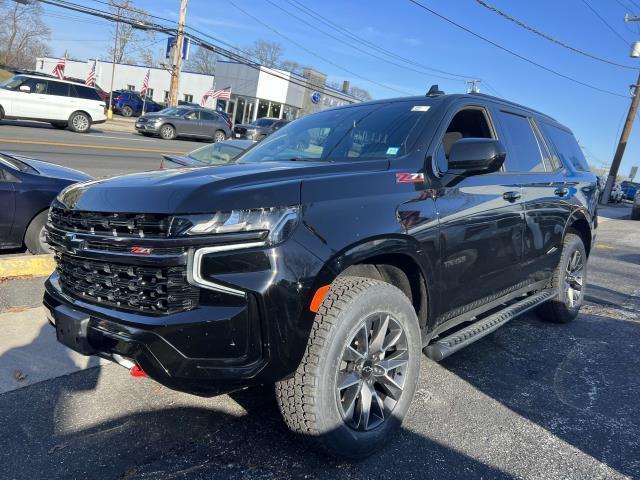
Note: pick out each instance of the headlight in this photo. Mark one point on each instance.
(277, 221)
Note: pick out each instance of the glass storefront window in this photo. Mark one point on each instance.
(263, 108)
(240, 104)
(275, 110)
(289, 113)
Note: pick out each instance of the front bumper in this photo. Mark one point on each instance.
(207, 351)
(146, 127)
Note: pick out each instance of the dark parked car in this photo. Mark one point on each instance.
(213, 154)
(175, 122)
(328, 258)
(635, 211)
(129, 103)
(259, 129)
(629, 189)
(27, 187)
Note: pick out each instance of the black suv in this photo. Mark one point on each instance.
(328, 258)
(258, 130)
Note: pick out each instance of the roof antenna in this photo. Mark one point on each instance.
(434, 91)
(473, 86)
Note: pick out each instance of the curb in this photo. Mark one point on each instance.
(27, 266)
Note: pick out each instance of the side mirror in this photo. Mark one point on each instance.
(474, 156)
(25, 88)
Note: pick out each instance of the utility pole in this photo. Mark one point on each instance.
(177, 56)
(113, 65)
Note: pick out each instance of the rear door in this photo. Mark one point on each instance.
(546, 194)
(7, 200)
(481, 221)
(59, 103)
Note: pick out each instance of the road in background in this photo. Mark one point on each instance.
(98, 153)
(531, 400)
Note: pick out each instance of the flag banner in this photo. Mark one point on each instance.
(224, 94)
(91, 77)
(58, 70)
(145, 85)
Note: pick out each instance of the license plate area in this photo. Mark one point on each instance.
(71, 329)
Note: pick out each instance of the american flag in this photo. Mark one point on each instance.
(145, 85)
(224, 94)
(58, 70)
(91, 77)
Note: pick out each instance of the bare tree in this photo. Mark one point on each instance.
(266, 53)
(202, 61)
(130, 39)
(23, 34)
(293, 66)
(359, 93)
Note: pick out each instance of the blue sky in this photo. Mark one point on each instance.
(401, 27)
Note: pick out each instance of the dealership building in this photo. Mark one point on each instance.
(256, 91)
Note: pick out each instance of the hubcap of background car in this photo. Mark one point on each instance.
(574, 279)
(167, 132)
(80, 122)
(218, 137)
(42, 238)
(372, 372)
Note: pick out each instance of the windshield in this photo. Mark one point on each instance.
(262, 122)
(176, 111)
(13, 83)
(216, 153)
(379, 130)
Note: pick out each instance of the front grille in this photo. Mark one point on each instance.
(104, 244)
(240, 130)
(149, 290)
(111, 224)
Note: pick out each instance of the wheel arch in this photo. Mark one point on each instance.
(578, 223)
(80, 111)
(396, 260)
(31, 219)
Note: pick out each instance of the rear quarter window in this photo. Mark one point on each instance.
(566, 148)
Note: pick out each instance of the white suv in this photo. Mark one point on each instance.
(63, 104)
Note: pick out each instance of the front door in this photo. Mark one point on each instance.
(191, 124)
(481, 222)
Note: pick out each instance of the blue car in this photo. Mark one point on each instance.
(129, 103)
(27, 188)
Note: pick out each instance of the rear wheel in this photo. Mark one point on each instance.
(219, 136)
(35, 237)
(80, 122)
(357, 378)
(127, 111)
(59, 125)
(568, 281)
(167, 132)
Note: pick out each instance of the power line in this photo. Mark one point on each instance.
(515, 54)
(373, 46)
(616, 33)
(329, 61)
(549, 38)
(356, 47)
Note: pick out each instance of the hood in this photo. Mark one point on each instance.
(246, 125)
(46, 169)
(206, 189)
(183, 160)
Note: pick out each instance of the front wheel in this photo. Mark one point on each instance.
(358, 375)
(167, 132)
(127, 111)
(568, 281)
(80, 122)
(35, 238)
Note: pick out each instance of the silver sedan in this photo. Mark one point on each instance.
(175, 122)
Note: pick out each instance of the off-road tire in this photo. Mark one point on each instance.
(127, 111)
(308, 400)
(80, 122)
(33, 238)
(167, 132)
(558, 310)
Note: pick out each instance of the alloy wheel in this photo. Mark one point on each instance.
(80, 123)
(42, 238)
(574, 279)
(372, 372)
(218, 137)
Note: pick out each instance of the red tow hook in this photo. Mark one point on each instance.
(136, 371)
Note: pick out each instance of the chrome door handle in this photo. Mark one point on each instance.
(511, 196)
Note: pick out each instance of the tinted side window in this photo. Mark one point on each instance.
(87, 93)
(523, 151)
(58, 88)
(566, 147)
(208, 116)
(37, 85)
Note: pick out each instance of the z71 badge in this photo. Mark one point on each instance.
(409, 177)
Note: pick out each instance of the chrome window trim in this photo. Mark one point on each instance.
(196, 266)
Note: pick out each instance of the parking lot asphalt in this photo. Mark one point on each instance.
(99, 153)
(532, 400)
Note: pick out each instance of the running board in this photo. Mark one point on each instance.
(446, 346)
